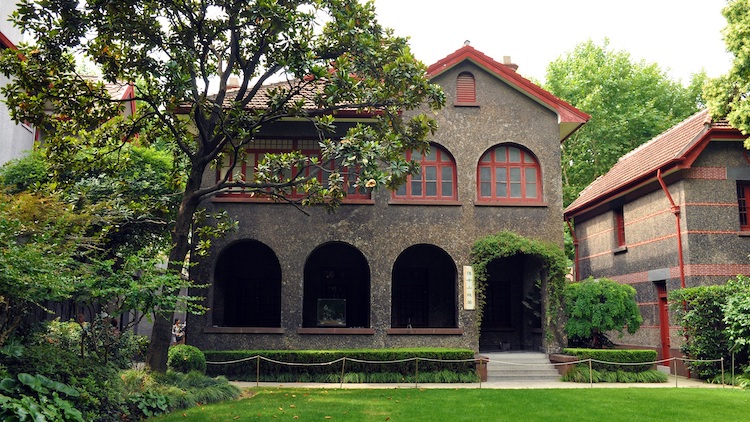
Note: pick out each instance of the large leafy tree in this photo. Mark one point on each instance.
(331, 55)
(727, 95)
(630, 102)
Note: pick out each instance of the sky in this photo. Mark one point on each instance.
(681, 36)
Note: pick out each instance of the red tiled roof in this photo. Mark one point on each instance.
(570, 118)
(260, 100)
(676, 147)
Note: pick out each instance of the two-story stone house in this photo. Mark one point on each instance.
(386, 269)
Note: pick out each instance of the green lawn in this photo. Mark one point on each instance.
(395, 405)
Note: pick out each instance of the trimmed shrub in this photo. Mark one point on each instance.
(397, 365)
(185, 358)
(581, 374)
(630, 357)
(596, 306)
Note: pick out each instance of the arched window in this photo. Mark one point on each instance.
(509, 173)
(247, 287)
(423, 291)
(436, 180)
(336, 288)
(466, 89)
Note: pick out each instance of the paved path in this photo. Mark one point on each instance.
(682, 382)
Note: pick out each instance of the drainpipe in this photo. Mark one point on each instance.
(676, 212)
(575, 250)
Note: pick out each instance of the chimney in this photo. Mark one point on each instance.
(233, 82)
(467, 42)
(507, 62)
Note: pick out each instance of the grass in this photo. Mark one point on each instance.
(394, 405)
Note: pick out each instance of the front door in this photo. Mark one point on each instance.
(661, 290)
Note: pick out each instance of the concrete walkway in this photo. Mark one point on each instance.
(499, 359)
(681, 382)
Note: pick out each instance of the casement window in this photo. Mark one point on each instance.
(436, 180)
(509, 173)
(249, 160)
(466, 89)
(743, 194)
(619, 227)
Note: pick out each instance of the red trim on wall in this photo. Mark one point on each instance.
(566, 112)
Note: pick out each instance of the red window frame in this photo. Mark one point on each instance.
(436, 180)
(509, 173)
(309, 147)
(619, 226)
(466, 88)
(743, 196)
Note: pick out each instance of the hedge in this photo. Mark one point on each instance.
(355, 372)
(615, 355)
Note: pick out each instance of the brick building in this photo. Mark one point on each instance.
(386, 269)
(670, 214)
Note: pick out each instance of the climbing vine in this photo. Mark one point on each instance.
(554, 268)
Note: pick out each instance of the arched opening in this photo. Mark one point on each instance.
(247, 286)
(336, 287)
(423, 290)
(513, 304)
(509, 173)
(466, 89)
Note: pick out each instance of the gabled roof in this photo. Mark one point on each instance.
(569, 117)
(677, 148)
(5, 42)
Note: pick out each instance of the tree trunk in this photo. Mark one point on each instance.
(161, 334)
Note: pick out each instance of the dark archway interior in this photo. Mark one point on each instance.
(424, 289)
(337, 287)
(247, 288)
(512, 311)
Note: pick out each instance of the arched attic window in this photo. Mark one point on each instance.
(466, 89)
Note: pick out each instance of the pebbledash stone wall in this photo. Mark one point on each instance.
(381, 231)
(714, 249)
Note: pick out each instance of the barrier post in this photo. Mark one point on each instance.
(674, 366)
(591, 374)
(723, 384)
(416, 372)
(257, 371)
(343, 365)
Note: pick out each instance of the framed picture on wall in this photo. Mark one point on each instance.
(331, 312)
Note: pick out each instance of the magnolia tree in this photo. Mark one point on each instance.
(329, 55)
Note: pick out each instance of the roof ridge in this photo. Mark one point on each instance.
(660, 136)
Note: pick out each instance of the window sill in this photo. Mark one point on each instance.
(425, 331)
(256, 200)
(244, 330)
(485, 203)
(450, 202)
(620, 250)
(337, 331)
(744, 233)
(457, 104)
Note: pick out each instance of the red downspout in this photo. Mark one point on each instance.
(575, 249)
(676, 212)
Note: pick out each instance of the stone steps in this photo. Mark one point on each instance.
(519, 366)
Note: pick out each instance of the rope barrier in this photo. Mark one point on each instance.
(479, 359)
